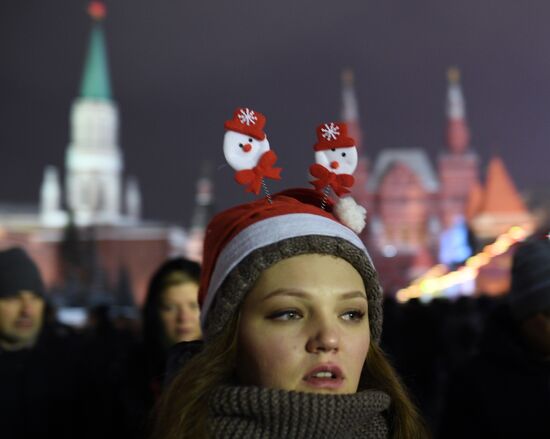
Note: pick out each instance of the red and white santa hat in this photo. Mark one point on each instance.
(247, 121)
(332, 135)
(244, 240)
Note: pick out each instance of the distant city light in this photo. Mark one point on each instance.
(438, 281)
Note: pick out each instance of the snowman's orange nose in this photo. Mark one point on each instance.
(247, 147)
(334, 165)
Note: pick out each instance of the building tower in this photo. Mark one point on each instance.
(350, 115)
(204, 207)
(51, 214)
(458, 166)
(498, 206)
(93, 159)
(133, 200)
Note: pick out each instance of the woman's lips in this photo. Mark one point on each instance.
(325, 376)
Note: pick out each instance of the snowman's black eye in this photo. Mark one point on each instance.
(333, 149)
(343, 154)
(250, 140)
(240, 145)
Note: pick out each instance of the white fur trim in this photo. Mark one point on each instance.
(269, 231)
(351, 214)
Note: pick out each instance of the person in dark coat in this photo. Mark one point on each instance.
(504, 391)
(44, 386)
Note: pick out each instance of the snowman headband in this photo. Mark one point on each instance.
(247, 150)
(242, 241)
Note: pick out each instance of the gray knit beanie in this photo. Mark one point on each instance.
(530, 291)
(244, 241)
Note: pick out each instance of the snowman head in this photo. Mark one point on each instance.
(334, 149)
(245, 140)
(338, 160)
(243, 151)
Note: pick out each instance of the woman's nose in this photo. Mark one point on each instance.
(324, 338)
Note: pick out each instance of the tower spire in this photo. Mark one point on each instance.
(458, 133)
(203, 210)
(94, 160)
(350, 115)
(350, 109)
(96, 83)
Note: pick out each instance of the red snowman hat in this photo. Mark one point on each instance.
(247, 121)
(244, 240)
(332, 135)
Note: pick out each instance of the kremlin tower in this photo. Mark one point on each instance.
(350, 115)
(459, 165)
(94, 160)
(204, 209)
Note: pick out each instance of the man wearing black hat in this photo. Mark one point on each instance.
(505, 390)
(21, 301)
(44, 386)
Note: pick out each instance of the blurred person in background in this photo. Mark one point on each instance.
(504, 391)
(44, 386)
(170, 315)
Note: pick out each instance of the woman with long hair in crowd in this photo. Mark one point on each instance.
(291, 310)
(170, 315)
(292, 317)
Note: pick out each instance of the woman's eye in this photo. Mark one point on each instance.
(289, 314)
(353, 315)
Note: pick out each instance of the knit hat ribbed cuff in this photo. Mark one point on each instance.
(243, 277)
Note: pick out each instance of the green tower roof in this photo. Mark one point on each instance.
(96, 83)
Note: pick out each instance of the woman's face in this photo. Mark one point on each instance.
(304, 327)
(179, 313)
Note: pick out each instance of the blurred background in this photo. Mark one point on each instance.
(115, 116)
(112, 123)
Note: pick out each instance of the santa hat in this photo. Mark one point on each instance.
(243, 241)
(333, 135)
(247, 121)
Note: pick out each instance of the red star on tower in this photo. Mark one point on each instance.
(97, 10)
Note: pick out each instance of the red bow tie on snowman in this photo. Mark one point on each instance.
(335, 159)
(246, 149)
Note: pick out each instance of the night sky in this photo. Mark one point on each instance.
(179, 68)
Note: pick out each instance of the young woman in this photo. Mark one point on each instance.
(170, 315)
(291, 309)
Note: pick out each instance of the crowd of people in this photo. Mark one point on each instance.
(281, 333)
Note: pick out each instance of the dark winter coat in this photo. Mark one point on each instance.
(47, 391)
(502, 392)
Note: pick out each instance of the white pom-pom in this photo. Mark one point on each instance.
(351, 214)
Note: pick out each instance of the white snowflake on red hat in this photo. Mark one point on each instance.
(330, 132)
(247, 117)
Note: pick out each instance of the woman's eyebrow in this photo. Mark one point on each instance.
(285, 292)
(354, 294)
(305, 295)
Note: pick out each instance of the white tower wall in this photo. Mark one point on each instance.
(94, 163)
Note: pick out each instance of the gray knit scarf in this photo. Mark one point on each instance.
(254, 412)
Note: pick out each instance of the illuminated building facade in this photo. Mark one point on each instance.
(411, 203)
